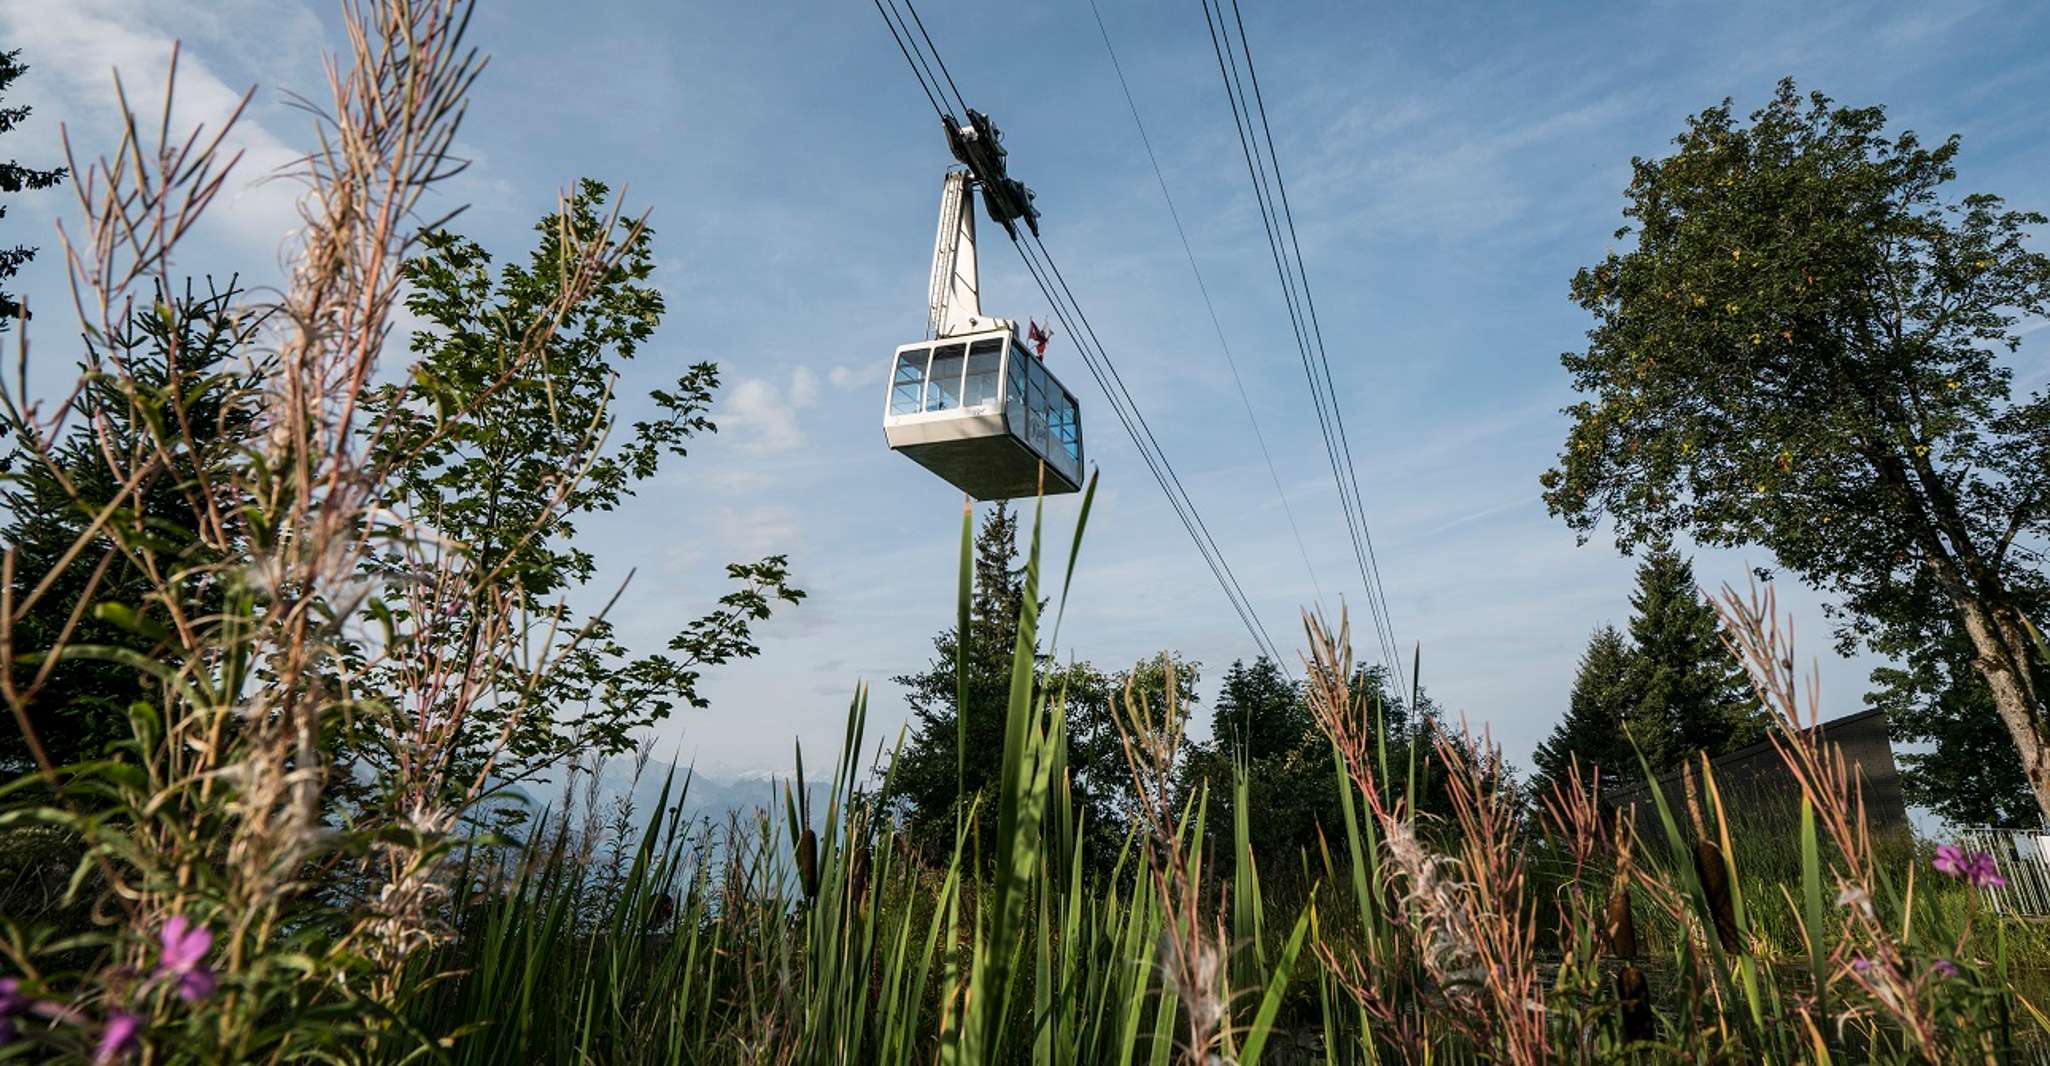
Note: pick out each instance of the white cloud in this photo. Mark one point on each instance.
(750, 532)
(763, 416)
(847, 377)
(804, 387)
(80, 44)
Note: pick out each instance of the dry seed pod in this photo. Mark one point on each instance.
(660, 911)
(1715, 884)
(808, 863)
(1619, 927)
(1633, 1000)
(857, 871)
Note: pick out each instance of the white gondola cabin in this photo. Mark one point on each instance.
(983, 413)
(971, 404)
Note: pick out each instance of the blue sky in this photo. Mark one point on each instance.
(1449, 168)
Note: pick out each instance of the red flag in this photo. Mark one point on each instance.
(1038, 337)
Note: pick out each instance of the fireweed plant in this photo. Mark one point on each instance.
(291, 858)
(336, 678)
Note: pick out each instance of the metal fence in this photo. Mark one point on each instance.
(2023, 858)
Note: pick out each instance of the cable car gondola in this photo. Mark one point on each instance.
(970, 402)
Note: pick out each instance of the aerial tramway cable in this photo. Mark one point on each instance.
(1203, 289)
(1054, 287)
(1277, 216)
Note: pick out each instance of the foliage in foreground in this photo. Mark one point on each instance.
(241, 915)
(821, 936)
(258, 577)
(1800, 349)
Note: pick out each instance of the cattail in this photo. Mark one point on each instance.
(808, 863)
(1619, 927)
(857, 872)
(1715, 885)
(660, 911)
(1633, 1000)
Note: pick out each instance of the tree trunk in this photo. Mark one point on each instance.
(2003, 661)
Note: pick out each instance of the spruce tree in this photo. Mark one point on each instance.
(1690, 694)
(13, 179)
(924, 783)
(1593, 730)
(1259, 720)
(82, 704)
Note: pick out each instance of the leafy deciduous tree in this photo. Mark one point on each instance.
(1933, 695)
(528, 454)
(1800, 352)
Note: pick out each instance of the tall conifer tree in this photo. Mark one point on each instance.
(926, 781)
(14, 178)
(82, 705)
(1691, 695)
(1596, 714)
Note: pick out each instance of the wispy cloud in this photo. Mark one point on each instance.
(764, 416)
(81, 44)
(1925, 24)
(1475, 516)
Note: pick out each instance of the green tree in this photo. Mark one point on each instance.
(1934, 698)
(1411, 728)
(1597, 713)
(1260, 721)
(934, 769)
(1690, 695)
(1800, 351)
(14, 178)
(1259, 713)
(531, 453)
(1099, 777)
(81, 704)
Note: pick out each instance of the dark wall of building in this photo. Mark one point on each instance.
(1756, 784)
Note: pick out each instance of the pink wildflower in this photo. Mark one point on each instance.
(1982, 871)
(184, 954)
(1950, 859)
(1944, 968)
(119, 1038)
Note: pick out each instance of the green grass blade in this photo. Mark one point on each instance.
(1277, 989)
(965, 595)
(1811, 905)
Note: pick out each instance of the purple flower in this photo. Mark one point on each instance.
(1944, 968)
(1860, 963)
(118, 1039)
(1950, 859)
(185, 948)
(1983, 872)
